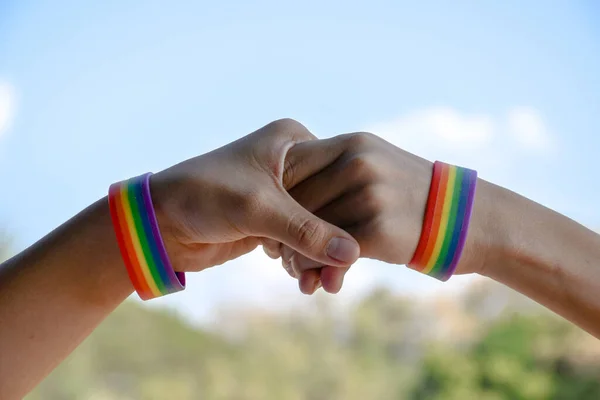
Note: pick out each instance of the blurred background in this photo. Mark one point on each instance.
(95, 92)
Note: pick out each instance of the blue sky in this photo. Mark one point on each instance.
(91, 94)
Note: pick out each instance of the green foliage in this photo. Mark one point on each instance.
(517, 357)
(385, 347)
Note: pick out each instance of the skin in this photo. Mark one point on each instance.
(210, 209)
(377, 192)
(320, 204)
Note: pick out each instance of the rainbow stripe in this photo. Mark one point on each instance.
(140, 241)
(446, 222)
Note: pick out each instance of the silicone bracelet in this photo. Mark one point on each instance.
(446, 221)
(140, 241)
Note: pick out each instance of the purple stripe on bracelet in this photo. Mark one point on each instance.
(472, 179)
(177, 278)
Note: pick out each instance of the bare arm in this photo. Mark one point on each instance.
(54, 294)
(379, 195)
(542, 254)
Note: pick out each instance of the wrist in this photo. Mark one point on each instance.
(489, 237)
(165, 194)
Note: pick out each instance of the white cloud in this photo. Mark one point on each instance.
(7, 106)
(448, 128)
(489, 143)
(529, 130)
(447, 134)
(439, 126)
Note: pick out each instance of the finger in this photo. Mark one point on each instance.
(349, 212)
(288, 261)
(289, 223)
(355, 211)
(272, 248)
(288, 129)
(377, 239)
(292, 260)
(359, 205)
(352, 210)
(345, 175)
(332, 278)
(272, 142)
(300, 263)
(287, 255)
(307, 158)
(309, 282)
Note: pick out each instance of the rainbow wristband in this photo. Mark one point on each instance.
(141, 244)
(446, 221)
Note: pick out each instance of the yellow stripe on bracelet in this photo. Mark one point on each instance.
(136, 243)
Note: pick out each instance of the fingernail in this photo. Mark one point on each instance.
(288, 268)
(342, 250)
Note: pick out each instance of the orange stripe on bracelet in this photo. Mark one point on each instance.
(437, 216)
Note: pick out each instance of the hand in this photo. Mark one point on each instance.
(221, 205)
(365, 185)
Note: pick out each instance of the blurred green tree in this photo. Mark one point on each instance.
(517, 356)
(384, 347)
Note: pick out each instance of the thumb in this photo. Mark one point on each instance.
(291, 224)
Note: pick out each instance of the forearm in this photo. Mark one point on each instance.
(54, 294)
(542, 254)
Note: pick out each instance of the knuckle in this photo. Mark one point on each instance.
(357, 165)
(308, 232)
(373, 198)
(360, 140)
(287, 125)
(362, 166)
